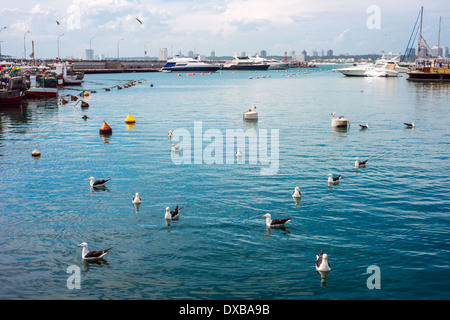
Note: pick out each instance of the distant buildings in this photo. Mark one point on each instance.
(89, 54)
(162, 54)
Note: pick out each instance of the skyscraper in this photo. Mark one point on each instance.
(162, 53)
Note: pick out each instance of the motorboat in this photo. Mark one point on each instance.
(379, 69)
(251, 114)
(178, 64)
(245, 63)
(274, 64)
(392, 59)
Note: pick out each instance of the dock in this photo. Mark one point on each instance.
(117, 66)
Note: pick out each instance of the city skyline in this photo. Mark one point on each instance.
(134, 28)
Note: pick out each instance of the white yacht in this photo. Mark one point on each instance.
(379, 69)
(246, 63)
(178, 64)
(274, 64)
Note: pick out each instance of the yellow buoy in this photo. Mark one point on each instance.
(130, 119)
(85, 94)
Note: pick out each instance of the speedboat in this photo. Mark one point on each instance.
(245, 63)
(379, 69)
(274, 64)
(393, 59)
(178, 64)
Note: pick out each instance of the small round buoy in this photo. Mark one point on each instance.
(85, 94)
(179, 75)
(105, 128)
(84, 104)
(119, 87)
(130, 119)
(84, 117)
(35, 153)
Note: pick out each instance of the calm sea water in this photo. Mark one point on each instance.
(393, 214)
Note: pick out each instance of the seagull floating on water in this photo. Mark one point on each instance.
(410, 125)
(297, 193)
(322, 263)
(136, 198)
(364, 126)
(97, 183)
(169, 135)
(276, 222)
(360, 163)
(172, 215)
(332, 179)
(92, 255)
(175, 149)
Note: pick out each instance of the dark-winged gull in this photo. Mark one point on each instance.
(322, 263)
(276, 222)
(360, 163)
(172, 215)
(366, 126)
(97, 183)
(410, 125)
(92, 255)
(297, 193)
(136, 198)
(332, 179)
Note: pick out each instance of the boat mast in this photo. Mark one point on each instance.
(439, 35)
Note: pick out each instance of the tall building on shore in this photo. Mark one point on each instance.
(162, 54)
(89, 54)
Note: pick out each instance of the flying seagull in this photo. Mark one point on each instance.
(139, 21)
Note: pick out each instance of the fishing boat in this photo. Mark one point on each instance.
(67, 75)
(178, 64)
(43, 85)
(11, 89)
(428, 67)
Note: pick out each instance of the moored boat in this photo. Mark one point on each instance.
(43, 85)
(245, 63)
(178, 64)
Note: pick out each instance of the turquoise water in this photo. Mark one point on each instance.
(393, 214)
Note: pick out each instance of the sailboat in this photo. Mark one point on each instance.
(428, 67)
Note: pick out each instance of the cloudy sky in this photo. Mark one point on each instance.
(225, 26)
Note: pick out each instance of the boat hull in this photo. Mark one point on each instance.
(10, 96)
(428, 76)
(191, 69)
(41, 93)
(262, 67)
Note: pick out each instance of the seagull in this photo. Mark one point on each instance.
(238, 153)
(175, 149)
(136, 198)
(92, 255)
(410, 125)
(275, 223)
(97, 183)
(35, 152)
(332, 179)
(322, 263)
(57, 22)
(169, 135)
(139, 21)
(172, 215)
(296, 193)
(360, 163)
(364, 126)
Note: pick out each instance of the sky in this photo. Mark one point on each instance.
(111, 28)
